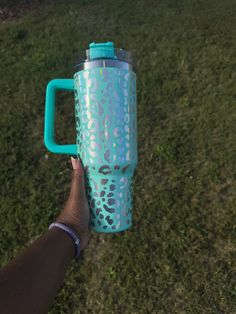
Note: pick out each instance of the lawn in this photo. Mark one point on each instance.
(179, 256)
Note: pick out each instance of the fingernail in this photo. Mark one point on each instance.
(75, 163)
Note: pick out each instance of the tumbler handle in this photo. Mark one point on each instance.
(52, 87)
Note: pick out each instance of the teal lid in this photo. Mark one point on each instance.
(101, 50)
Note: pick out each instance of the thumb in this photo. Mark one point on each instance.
(77, 165)
(78, 181)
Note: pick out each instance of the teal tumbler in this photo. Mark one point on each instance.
(106, 132)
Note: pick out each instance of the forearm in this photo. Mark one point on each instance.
(29, 283)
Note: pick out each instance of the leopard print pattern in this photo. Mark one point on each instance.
(106, 125)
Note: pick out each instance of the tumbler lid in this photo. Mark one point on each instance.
(103, 51)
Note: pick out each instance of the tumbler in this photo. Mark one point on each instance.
(104, 87)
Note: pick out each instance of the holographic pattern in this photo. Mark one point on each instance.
(106, 125)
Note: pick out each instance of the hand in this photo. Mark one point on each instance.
(76, 211)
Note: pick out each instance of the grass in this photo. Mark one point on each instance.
(179, 256)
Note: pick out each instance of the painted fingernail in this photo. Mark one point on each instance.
(75, 163)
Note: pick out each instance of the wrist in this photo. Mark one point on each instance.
(70, 232)
(67, 244)
(82, 232)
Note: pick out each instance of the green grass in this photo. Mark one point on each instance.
(179, 256)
